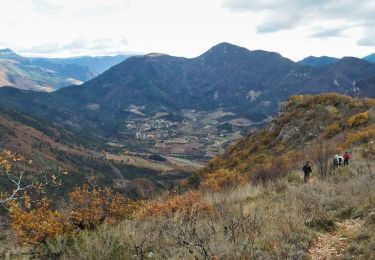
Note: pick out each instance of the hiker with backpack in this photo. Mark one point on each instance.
(346, 157)
(307, 170)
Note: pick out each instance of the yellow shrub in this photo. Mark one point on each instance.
(34, 226)
(222, 179)
(332, 130)
(358, 119)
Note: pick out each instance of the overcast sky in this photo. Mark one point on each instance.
(294, 28)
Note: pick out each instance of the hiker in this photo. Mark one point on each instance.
(337, 160)
(307, 170)
(346, 157)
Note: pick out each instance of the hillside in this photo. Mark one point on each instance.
(75, 158)
(366, 87)
(370, 58)
(49, 74)
(294, 134)
(25, 73)
(230, 214)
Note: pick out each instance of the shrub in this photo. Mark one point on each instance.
(360, 136)
(35, 226)
(332, 130)
(222, 179)
(279, 168)
(89, 208)
(187, 205)
(358, 119)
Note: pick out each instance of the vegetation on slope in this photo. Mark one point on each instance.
(280, 220)
(304, 126)
(251, 203)
(71, 156)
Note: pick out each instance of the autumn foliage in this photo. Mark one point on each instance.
(7, 159)
(36, 225)
(360, 136)
(186, 205)
(332, 130)
(222, 179)
(92, 207)
(358, 119)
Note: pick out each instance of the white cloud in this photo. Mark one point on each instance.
(294, 28)
(289, 14)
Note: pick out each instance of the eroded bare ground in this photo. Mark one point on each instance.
(333, 244)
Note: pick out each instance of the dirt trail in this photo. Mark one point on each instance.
(333, 244)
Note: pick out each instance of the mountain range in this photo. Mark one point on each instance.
(248, 83)
(43, 74)
(160, 104)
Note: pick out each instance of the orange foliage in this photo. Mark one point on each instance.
(93, 207)
(186, 205)
(34, 226)
(222, 179)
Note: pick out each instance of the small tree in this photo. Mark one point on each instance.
(322, 155)
(19, 186)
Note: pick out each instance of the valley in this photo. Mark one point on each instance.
(161, 118)
(189, 134)
(205, 130)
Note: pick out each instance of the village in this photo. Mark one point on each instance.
(199, 134)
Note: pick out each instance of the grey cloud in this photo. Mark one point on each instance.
(278, 23)
(307, 12)
(79, 46)
(43, 48)
(75, 45)
(326, 33)
(368, 39)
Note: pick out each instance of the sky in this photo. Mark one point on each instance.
(294, 28)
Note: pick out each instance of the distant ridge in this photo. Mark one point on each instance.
(318, 61)
(370, 58)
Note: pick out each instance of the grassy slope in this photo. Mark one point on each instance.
(278, 221)
(301, 122)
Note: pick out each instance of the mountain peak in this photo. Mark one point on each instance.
(9, 54)
(155, 55)
(7, 51)
(226, 47)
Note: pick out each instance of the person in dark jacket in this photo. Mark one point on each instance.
(307, 170)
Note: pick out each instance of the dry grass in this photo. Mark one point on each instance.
(278, 220)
